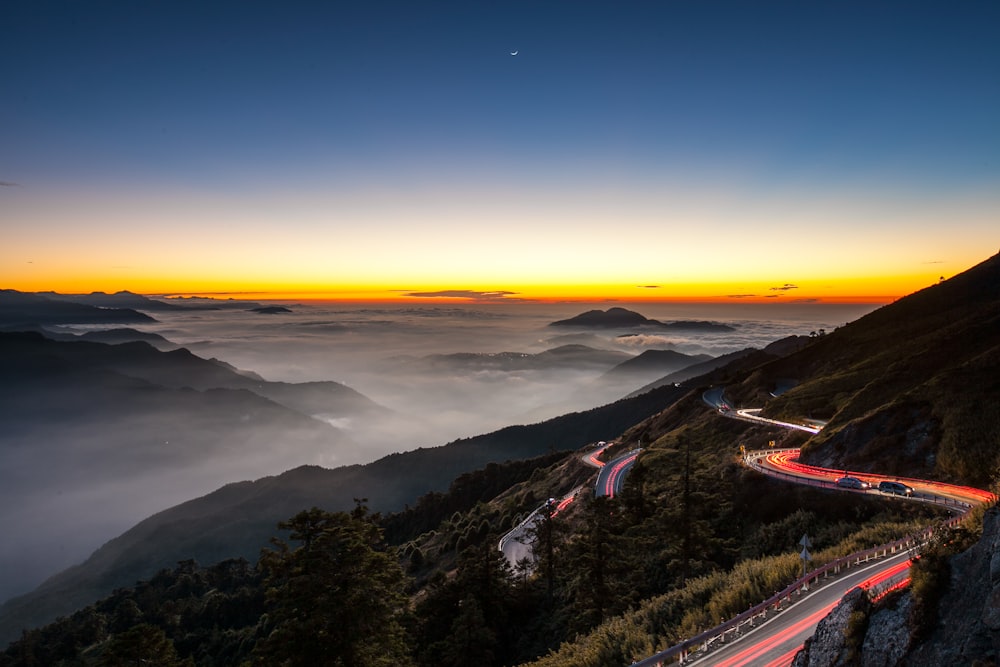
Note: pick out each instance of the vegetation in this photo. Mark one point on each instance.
(465, 492)
(930, 573)
(336, 599)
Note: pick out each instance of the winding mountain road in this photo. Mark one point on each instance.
(516, 544)
(761, 637)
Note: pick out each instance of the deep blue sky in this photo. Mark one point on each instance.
(821, 104)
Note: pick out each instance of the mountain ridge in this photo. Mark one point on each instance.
(622, 318)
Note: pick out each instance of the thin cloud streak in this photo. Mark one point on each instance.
(463, 294)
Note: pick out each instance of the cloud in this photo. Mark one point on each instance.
(648, 286)
(463, 294)
(8, 184)
(934, 261)
(644, 340)
(784, 288)
(739, 296)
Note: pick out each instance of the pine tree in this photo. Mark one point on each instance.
(337, 599)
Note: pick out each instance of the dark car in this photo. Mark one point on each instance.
(895, 488)
(853, 483)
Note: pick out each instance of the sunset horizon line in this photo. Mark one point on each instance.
(484, 297)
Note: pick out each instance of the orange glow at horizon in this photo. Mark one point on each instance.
(541, 293)
(235, 276)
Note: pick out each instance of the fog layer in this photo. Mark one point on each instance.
(91, 452)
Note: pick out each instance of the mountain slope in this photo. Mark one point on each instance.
(86, 424)
(653, 363)
(914, 385)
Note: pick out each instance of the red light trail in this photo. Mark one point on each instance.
(616, 470)
(787, 461)
(748, 655)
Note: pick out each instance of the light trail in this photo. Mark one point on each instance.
(751, 414)
(610, 482)
(807, 624)
(785, 464)
(592, 459)
(786, 659)
(565, 502)
(787, 461)
(882, 577)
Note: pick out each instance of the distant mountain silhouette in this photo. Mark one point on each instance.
(654, 363)
(126, 299)
(622, 318)
(271, 310)
(576, 357)
(122, 299)
(207, 303)
(109, 336)
(82, 418)
(117, 336)
(747, 357)
(23, 310)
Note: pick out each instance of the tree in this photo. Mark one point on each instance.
(465, 619)
(471, 640)
(337, 599)
(593, 556)
(143, 644)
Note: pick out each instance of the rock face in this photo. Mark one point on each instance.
(831, 645)
(968, 629)
(888, 636)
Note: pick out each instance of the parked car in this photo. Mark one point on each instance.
(895, 488)
(853, 483)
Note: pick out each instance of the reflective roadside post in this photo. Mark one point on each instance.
(804, 554)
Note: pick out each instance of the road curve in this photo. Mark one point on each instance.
(515, 544)
(612, 476)
(784, 464)
(774, 641)
(781, 635)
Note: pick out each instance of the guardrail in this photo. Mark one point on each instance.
(784, 599)
(523, 523)
(706, 640)
(752, 460)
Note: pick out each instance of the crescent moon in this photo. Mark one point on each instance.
(513, 53)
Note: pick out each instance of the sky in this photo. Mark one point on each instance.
(632, 151)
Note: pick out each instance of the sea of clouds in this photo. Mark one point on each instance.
(65, 503)
(377, 350)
